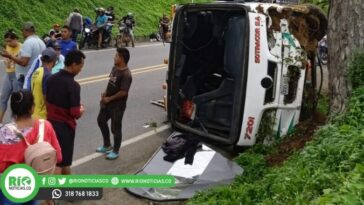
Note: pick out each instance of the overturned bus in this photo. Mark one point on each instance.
(237, 71)
(234, 68)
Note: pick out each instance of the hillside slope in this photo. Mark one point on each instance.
(44, 13)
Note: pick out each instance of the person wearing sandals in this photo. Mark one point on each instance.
(113, 103)
(12, 148)
(63, 102)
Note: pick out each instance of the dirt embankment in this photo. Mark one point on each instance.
(304, 133)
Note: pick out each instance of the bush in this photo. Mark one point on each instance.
(329, 170)
(356, 69)
(46, 13)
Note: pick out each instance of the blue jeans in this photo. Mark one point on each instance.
(74, 35)
(10, 85)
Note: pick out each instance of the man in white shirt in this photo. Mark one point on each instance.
(32, 47)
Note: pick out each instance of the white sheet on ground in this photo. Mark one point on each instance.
(201, 160)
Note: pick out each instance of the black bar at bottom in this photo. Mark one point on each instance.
(69, 194)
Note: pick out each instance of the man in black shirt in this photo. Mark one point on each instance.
(113, 103)
(63, 102)
(110, 15)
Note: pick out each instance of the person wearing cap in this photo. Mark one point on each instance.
(37, 63)
(75, 22)
(101, 22)
(32, 47)
(38, 82)
(55, 32)
(60, 61)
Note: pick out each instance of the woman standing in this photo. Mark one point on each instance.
(12, 147)
(10, 82)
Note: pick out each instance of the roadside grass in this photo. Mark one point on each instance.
(323, 104)
(328, 170)
(45, 13)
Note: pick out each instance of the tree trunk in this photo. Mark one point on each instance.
(345, 34)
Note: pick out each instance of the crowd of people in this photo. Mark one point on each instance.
(43, 94)
(40, 85)
(101, 26)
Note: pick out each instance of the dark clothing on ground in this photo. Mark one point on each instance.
(120, 80)
(181, 146)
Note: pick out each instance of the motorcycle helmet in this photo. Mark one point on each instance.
(88, 21)
(101, 10)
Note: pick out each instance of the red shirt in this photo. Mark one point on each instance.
(14, 153)
(63, 98)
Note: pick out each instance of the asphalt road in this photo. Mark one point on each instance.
(139, 143)
(146, 86)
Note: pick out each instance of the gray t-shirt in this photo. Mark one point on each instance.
(32, 47)
(75, 21)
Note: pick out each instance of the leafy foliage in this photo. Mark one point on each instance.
(323, 4)
(323, 104)
(46, 13)
(329, 170)
(356, 69)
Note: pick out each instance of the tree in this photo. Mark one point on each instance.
(324, 4)
(345, 35)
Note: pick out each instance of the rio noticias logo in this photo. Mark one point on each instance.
(19, 183)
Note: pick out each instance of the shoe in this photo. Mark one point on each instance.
(107, 152)
(112, 155)
(103, 149)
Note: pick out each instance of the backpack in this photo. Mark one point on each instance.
(174, 144)
(41, 156)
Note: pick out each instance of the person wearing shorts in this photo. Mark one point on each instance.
(64, 106)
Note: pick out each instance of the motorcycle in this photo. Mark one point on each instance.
(124, 35)
(322, 51)
(107, 37)
(323, 55)
(90, 36)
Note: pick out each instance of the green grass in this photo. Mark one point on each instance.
(44, 13)
(328, 170)
(323, 104)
